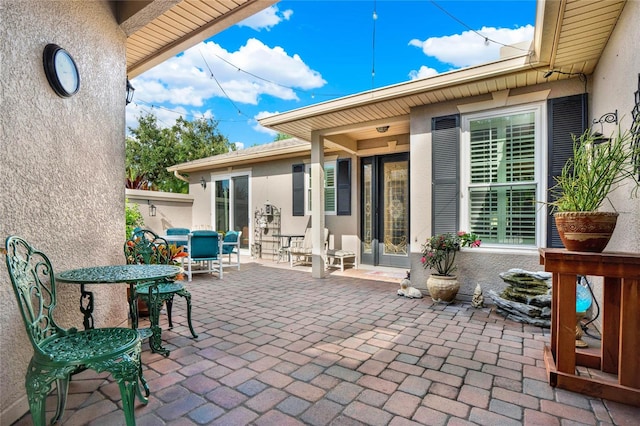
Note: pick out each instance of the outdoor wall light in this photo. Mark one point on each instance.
(610, 117)
(130, 90)
(382, 129)
(152, 209)
(203, 183)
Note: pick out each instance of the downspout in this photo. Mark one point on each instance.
(179, 176)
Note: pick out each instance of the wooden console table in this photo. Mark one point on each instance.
(620, 346)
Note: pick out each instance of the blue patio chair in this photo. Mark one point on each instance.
(231, 245)
(145, 247)
(179, 231)
(205, 252)
(59, 352)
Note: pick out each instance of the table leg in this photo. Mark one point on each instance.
(629, 367)
(566, 323)
(87, 311)
(611, 324)
(155, 303)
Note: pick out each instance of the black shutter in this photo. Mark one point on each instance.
(445, 139)
(343, 186)
(566, 116)
(297, 173)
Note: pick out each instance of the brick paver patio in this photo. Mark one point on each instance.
(277, 347)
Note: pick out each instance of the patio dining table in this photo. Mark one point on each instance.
(117, 274)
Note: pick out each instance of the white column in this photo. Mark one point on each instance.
(317, 205)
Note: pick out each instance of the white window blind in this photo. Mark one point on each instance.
(502, 179)
(330, 203)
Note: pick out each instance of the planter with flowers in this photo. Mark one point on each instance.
(439, 254)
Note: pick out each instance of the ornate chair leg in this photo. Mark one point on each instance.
(37, 388)
(62, 386)
(169, 303)
(128, 393)
(143, 384)
(187, 296)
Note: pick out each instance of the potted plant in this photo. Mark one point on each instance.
(597, 167)
(439, 254)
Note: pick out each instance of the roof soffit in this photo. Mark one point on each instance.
(160, 29)
(569, 37)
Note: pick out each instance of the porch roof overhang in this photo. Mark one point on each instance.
(157, 30)
(282, 149)
(569, 37)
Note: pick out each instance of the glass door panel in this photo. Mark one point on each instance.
(385, 210)
(241, 208)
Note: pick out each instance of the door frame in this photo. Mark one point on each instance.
(376, 258)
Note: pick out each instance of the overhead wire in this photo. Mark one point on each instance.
(487, 40)
(221, 88)
(373, 47)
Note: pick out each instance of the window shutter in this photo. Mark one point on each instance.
(445, 138)
(344, 187)
(297, 173)
(566, 116)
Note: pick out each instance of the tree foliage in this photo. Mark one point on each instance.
(151, 149)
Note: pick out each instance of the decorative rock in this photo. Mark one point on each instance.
(407, 291)
(477, 301)
(527, 299)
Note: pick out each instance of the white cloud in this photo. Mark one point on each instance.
(258, 128)
(243, 76)
(468, 48)
(266, 18)
(423, 72)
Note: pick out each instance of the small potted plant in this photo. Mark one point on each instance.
(439, 254)
(597, 167)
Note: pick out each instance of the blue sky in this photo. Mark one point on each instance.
(302, 52)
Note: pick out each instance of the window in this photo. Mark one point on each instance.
(329, 188)
(337, 188)
(501, 163)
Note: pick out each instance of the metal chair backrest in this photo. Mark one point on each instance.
(179, 231)
(146, 247)
(35, 288)
(204, 245)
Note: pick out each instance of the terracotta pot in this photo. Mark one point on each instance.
(585, 231)
(443, 288)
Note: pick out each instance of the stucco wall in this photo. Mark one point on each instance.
(614, 83)
(475, 266)
(172, 210)
(62, 162)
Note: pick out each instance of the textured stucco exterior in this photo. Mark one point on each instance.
(475, 266)
(62, 162)
(615, 81)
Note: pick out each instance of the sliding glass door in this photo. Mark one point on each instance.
(231, 205)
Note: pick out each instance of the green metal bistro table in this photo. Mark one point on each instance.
(117, 274)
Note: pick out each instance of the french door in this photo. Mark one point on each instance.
(385, 210)
(231, 205)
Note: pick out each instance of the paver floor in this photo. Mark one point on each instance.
(278, 347)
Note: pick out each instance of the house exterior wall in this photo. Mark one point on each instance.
(271, 181)
(478, 266)
(615, 81)
(62, 162)
(172, 210)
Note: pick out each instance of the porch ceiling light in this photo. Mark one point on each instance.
(382, 129)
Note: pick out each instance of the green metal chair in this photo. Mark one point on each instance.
(58, 352)
(146, 247)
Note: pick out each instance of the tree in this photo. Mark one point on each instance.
(151, 149)
(281, 136)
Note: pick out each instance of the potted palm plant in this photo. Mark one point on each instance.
(597, 167)
(439, 254)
